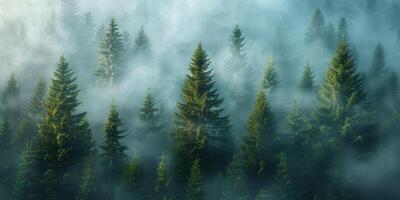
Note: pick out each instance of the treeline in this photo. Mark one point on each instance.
(48, 152)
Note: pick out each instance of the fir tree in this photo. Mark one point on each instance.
(281, 179)
(151, 118)
(27, 176)
(201, 128)
(257, 141)
(113, 154)
(233, 180)
(296, 124)
(133, 180)
(270, 78)
(162, 181)
(64, 141)
(194, 190)
(111, 54)
(307, 79)
(10, 95)
(7, 162)
(330, 37)
(27, 128)
(87, 186)
(316, 29)
(378, 62)
(341, 92)
(142, 43)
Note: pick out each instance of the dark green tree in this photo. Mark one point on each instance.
(307, 79)
(142, 44)
(296, 124)
(202, 131)
(64, 142)
(113, 155)
(10, 98)
(110, 56)
(27, 128)
(256, 143)
(7, 168)
(234, 180)
(340, 94)
(133, 180)
(378, 63)
(281, 177)
(194, 190)
(270, 77)
(27, 176)
(162, 181)
(151, 119)
(316, 29)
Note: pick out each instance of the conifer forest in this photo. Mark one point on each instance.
(199, 100)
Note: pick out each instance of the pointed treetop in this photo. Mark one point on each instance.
(378, 62)
(307, 79)
(270, 78)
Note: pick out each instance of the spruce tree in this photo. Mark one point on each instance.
(296, 124)
(27, 176)
(307, 79)
(240, 81)
(10, 99)
(233, 179)
(316, 29)
(202, 131)
(151, 118)
(194, 190)
(378, 63)
(281, 177)
(270, 77)
(64, 141)
(6, 162)
(340, 94)
(142, 44)
(256, 144)
(330, 37)
(110, 56)
(113, 154)
(162, 181)
(133, 180)
(27, 128)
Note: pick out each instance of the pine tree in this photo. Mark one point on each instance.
(111, 54)
(378, 62)
(27, 128)
(7, 162)
(341, 92)
(87, 186)
(270, 78)
(330, 37)
(342, 29)
(194, 190)
(133, 180)
(233, 180)
(257, 141)
(113, 154)
(142, 44)
(162, 181)
(10, 97)
(240, 82)
(281, 179)
(307, 79)
(64, 141)
(316, 29)
(202, 131)
(296, 124)
(151, 118)
(27, 176)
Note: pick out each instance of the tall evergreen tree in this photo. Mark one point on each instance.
(378, 62)
(340, 94)
(27, 128)
(133, 180)
(10, 98)
(281, 177)
(151, 118)
(256, 144)
(162, 181)
(194, 190)
(113, 154)
(27, 176)
(296, 124)
(202, 131)
(234, 180)
(64, 136)
(307, 79)
(111, 54)
(316, 29)
(330, 37)
(270, 78)
(240, 81)
(142, 43)
(6, 162)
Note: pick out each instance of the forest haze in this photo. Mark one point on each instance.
(199, 100)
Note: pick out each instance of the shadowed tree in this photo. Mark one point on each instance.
(316, 29)
(142, 44)
(194, 189)
(270, 77)
(307, 79)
